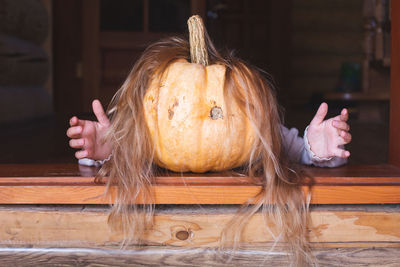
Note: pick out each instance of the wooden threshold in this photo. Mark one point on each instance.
(74, 184)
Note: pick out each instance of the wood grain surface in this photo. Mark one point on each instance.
(74, 184)
(172, 256)
(80, 227)
(75, 170)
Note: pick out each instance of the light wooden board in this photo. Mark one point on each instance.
(65, 227)
(172, 256)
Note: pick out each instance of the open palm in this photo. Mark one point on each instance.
(327, 137)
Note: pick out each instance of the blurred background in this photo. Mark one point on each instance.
(56, 56)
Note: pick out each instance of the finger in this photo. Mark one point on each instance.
(99, 112)
(81, 154)
(346, 137)
(341, 125)
(76, 143)
(74, 132)
(341, 153)
(320, 115)
(344, 115)
(73, 121)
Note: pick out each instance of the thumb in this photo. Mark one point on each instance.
(99, 112)
(320, 115)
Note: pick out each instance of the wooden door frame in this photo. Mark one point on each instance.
(394, 123)
(90, 52)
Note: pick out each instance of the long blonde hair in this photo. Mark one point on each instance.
(132, 170)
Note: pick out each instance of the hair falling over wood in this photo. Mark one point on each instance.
(132, 167)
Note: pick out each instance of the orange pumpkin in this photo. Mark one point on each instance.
(187, 120)
(192, 125)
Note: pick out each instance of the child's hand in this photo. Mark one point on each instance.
(88, 135)
(325, 137)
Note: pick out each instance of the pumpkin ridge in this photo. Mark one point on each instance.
(198, 136)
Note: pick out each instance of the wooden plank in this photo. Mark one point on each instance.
(345, 174)
(355, 172)
(67, 184)
(94, 194)
(60, 227)
(394, 133)
(355, 194)
(193, 181)
(172, 256)
(178, 194)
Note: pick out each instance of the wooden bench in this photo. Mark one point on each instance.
(55, 213)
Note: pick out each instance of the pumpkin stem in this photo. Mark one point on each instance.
(198, 50)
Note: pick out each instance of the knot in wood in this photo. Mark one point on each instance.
(182, 235)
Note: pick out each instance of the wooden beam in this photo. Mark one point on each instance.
(172, 256)
(348, 174)
(67, 184)
(190, 227)
(94, 194)
(394, 131)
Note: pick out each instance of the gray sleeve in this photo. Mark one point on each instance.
(298, 150)
(293, 145)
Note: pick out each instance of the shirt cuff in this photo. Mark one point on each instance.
(92, 162)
